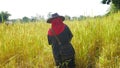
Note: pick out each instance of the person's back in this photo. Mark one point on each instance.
(59, 36)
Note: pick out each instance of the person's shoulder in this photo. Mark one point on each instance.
(66, 26)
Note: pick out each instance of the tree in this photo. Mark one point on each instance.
(81, 17)
(67, 17)
(26, 19)
(115, 6)
(49, 14)
(4, 16)
(74, 18)
(106, 1)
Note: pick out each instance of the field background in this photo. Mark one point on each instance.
(96, 42)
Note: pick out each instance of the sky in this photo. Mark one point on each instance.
(21, 8)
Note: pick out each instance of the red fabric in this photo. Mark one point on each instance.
(57, 25)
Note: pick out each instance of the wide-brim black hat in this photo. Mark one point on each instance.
(55, 15)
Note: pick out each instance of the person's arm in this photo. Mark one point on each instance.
(49, 40)
(69, 34)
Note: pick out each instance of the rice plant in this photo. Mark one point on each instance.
(96, 42)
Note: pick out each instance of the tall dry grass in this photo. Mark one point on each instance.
(96, 42)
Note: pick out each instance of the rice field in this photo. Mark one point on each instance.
(96, 42)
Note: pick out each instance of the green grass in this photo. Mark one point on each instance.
(96, 42)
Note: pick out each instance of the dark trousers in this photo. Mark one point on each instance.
(64, 56)
(70, 63)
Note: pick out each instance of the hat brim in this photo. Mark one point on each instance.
(63, 18)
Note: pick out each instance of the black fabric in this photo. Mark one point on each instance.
(64, 37)
(68, 64)
(64, 51)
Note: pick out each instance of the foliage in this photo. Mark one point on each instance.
(67, 17)
(115, 6)
(4, 16)
(106, 1)
(96, 42)
(26, 19)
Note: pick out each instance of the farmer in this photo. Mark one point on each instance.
(59, 36)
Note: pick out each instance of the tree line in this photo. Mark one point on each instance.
(4, 16)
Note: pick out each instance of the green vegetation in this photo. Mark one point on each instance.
(96, 42)
(115, 5)
(4, 16)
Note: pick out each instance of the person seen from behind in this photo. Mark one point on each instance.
(59, 36)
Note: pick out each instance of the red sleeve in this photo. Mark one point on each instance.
(49, 32)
